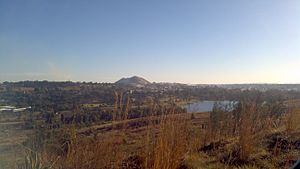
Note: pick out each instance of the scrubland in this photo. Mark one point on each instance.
(253, 135)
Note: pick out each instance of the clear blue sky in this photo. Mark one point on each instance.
(189, 41)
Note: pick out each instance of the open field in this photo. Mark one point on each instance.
(95, 128)
(128, 139)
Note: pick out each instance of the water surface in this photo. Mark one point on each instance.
(207, 106)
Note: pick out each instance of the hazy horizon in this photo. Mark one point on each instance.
(152, 82)
(194, 42)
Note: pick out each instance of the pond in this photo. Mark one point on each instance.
(13, 108)
(207, 106)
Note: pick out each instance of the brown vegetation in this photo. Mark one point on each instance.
(252, 135)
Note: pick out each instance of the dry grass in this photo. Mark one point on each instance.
(237, 138)
(162, 144)
(292, 120)
(167, 148)
(169, 141)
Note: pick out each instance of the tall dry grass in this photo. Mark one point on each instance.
(245, 126)
(261, 134)
(167, 142)
(164, 143)
(164, 146)
(247, 142)
(292, 119)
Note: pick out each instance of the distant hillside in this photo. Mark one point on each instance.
(133, 81)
